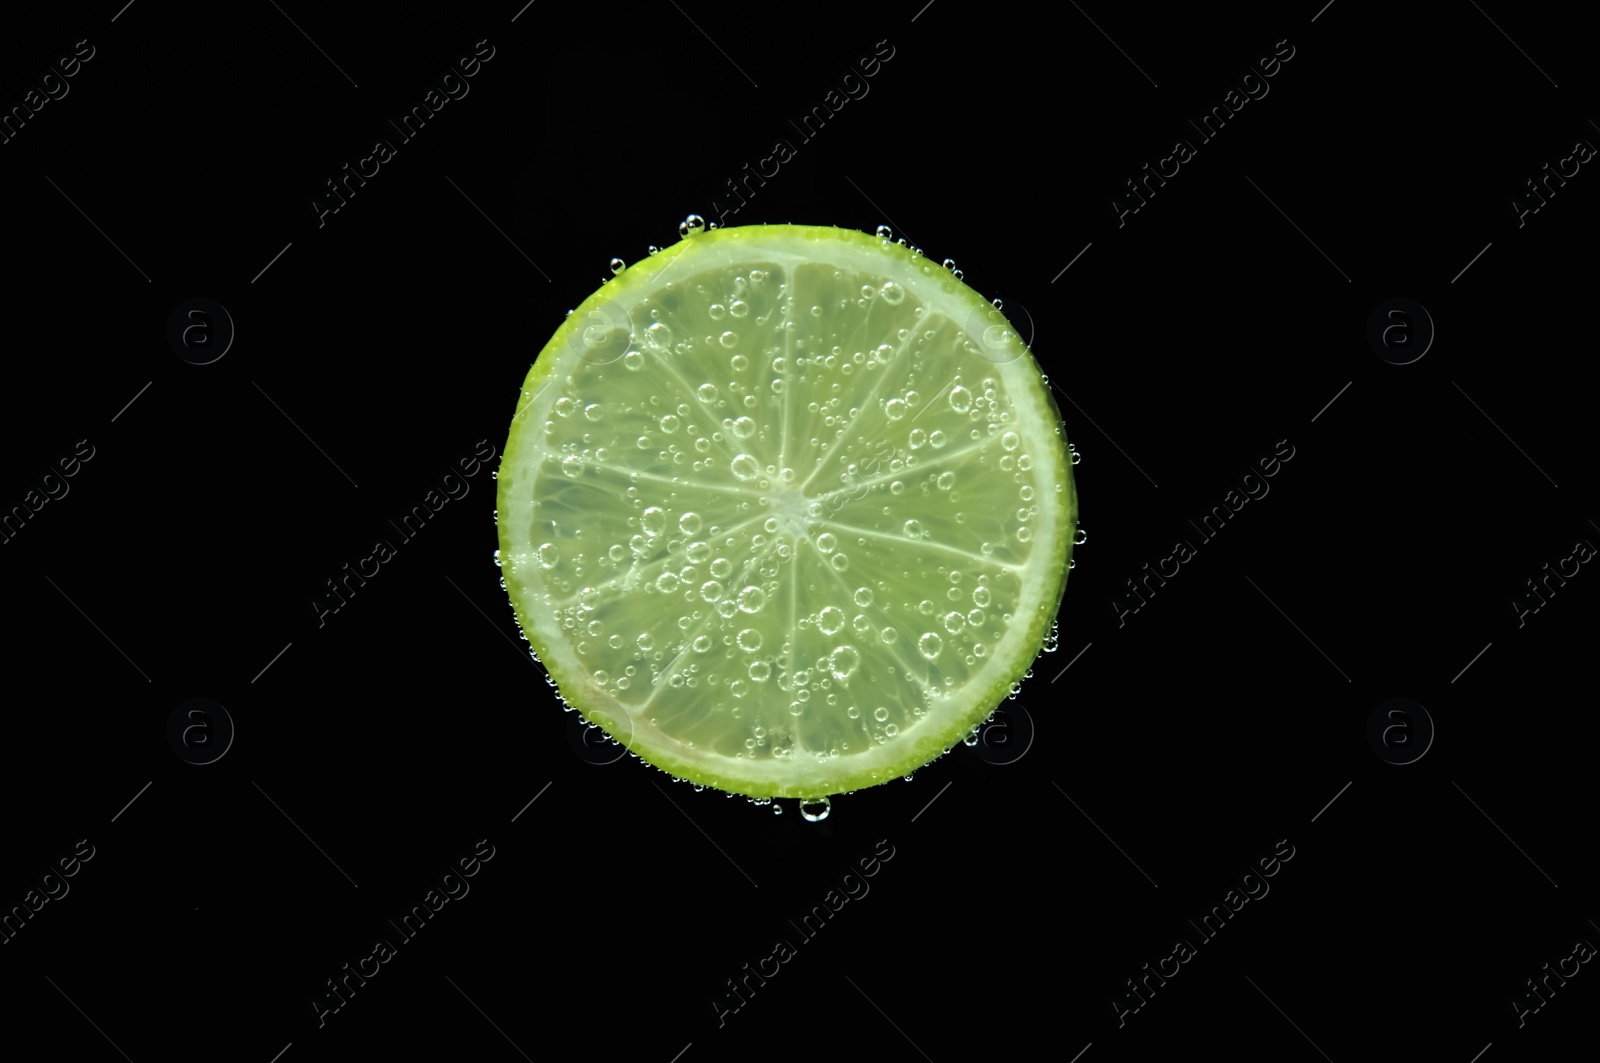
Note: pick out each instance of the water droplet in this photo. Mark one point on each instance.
(692, 224)
(815, 810)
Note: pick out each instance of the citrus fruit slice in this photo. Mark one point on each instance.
(786, 510)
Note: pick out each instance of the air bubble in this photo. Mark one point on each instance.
(749, 640)
(891, 292)
(617, 266)
(815, 810)
(692, 224)
(751, 599)
(654, 521)
(885, 233)
(830, 620)
(745, 467)
(960, 399)
(929, 645)
(743, 427)
(844, 661)
(895, 409)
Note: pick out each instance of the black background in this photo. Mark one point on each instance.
(1106, 806)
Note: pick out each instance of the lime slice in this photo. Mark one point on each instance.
(786, 510)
